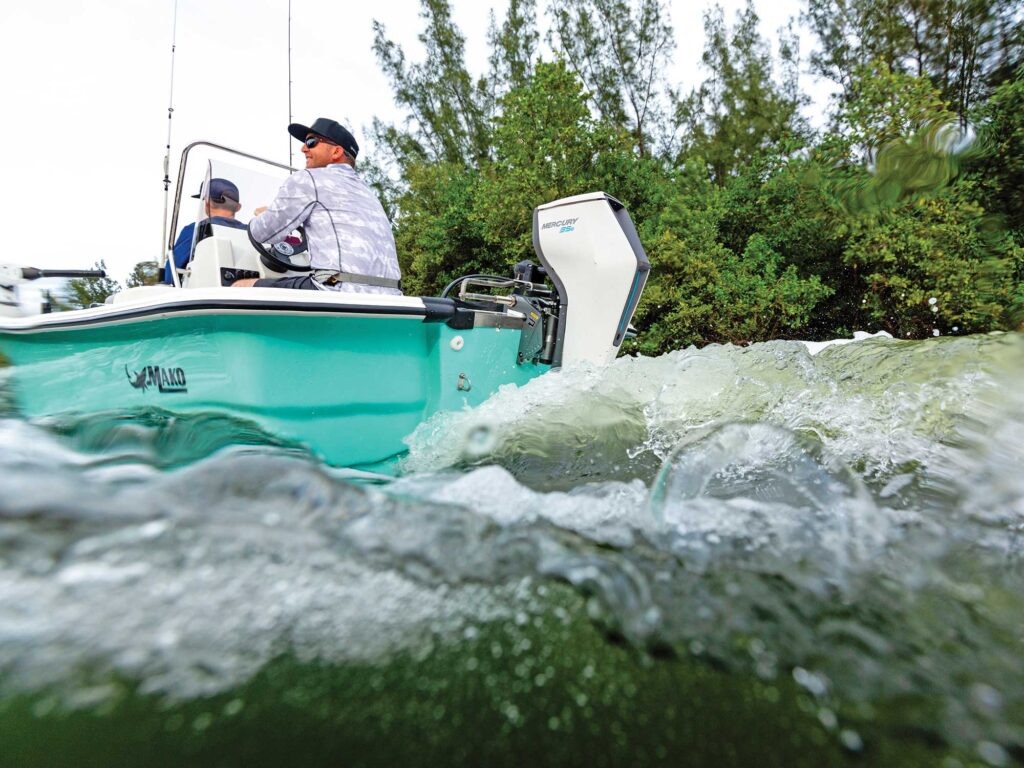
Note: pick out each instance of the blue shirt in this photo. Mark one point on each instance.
(183, 245)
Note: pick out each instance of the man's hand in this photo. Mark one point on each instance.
(259, 210)
(248, 282)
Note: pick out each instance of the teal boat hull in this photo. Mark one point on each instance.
(349, 387)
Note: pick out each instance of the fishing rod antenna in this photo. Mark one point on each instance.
(289, 79)
(167, 154)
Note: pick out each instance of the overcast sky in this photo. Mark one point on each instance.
(86, 88)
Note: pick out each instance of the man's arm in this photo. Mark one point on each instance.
(290, 208)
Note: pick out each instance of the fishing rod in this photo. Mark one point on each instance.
(289, 80)
(167, 155)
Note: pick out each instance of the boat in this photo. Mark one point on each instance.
(347, 375)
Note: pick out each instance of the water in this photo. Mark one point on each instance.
(726, 556)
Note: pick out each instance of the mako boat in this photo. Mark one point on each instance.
(348, 375)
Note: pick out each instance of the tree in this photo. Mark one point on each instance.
(513, 49)
(83, 292)
(701, 291)
(931, 266)
(144, 273)
(448, 118)
(964, 48)
(547, 145)
(997, 162)
(437, 236)
(739, 111)
(886, 106)
(618, 49)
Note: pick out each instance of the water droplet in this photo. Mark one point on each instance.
(233, 707)
(814, 683)
(851, 740)
(479, 442)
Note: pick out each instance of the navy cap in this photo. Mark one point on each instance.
(219, 189)
(330, 130)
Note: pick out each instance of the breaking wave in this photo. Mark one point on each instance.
(602, 565)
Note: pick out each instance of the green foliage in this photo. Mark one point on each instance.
(962, 47)
(887, 105)
(547, 146)
(755, 228)
(933, 247)
(448, 114)
(83, 292)
(436, 237)
(702, 291)
(618, 49)
(144, 273)
(739, 111)
(998, 164)
(513, 48)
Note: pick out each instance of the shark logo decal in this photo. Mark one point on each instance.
(164, 379)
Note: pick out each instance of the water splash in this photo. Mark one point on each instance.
(847, 525)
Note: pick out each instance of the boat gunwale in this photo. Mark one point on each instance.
(267, 301)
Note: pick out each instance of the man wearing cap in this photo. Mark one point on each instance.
(351, 247)
(222, 203)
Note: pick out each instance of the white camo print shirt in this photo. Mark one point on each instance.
(346, 226)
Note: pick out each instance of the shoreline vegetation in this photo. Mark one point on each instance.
(903, 214)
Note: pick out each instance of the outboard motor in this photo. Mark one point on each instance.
(591, 252)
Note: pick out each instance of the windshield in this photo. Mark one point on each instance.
(222, 186)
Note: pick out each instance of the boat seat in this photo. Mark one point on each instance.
(225, 256)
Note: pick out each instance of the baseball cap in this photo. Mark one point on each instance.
(219, 189)
(330, 130)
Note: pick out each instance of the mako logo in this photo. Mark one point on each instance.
(164, 379)
(564, 225)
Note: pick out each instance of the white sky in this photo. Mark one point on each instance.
(86, 88)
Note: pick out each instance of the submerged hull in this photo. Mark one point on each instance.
(349, 378)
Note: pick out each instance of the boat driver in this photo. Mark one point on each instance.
(221, 204)
(351, 247)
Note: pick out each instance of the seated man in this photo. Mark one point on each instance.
(351, 247)
(222, 203)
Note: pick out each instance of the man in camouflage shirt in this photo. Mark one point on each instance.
(351, 246)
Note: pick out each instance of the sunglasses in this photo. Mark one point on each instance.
(312, 141)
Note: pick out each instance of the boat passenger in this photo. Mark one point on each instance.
(222, 203)
(351, 246)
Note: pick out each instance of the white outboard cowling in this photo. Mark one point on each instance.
(592, 254)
